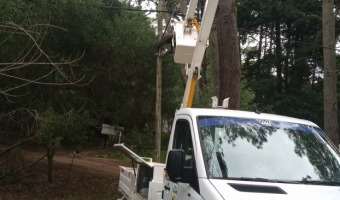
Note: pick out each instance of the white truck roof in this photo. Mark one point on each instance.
(194, 112)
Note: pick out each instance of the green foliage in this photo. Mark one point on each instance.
(115, 50)
(203, 96)
(116, 154)
(208, 89)
(165, 138)
(284, 71)
(305, 103)
(67, 129)
(247, 97)
(172, 87)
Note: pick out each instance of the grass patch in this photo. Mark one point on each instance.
(141, 152)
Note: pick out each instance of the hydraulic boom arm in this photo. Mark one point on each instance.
(190, 34)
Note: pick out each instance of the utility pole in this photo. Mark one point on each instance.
(158, 110)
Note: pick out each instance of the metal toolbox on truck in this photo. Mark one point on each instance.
(126, 180)
(143, 181)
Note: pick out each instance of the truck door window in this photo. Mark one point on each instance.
(183, 140)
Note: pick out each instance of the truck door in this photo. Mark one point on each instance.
(187, 187)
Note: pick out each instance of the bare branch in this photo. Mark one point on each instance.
(16, 145)
(33, 56)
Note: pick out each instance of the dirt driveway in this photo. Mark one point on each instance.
(88, 177)
(85, 162)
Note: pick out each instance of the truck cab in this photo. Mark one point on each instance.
(228, 154)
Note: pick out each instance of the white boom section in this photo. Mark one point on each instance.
(201, 44)
(191, 10)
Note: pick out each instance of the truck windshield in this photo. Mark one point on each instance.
(264, 149)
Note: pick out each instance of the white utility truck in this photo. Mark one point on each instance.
(218, 153)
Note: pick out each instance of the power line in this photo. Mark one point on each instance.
(135, 10)
(295, 41)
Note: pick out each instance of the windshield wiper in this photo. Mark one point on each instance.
(251, 179)
(264, 180)
(255, 179)
(320, 182)
(311, 182)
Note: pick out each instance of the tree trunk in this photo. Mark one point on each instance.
(213, 55)
(286, 73)
(278, 52)
(50, 155)
(330, 79)
(229, 53)
(259, 52)
(271, 30)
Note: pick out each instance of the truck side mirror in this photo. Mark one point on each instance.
(174, 165)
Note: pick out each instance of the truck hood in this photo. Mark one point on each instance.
(246, 190)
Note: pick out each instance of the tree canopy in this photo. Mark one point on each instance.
(97, 57)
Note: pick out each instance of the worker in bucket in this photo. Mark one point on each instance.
(160, 50)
